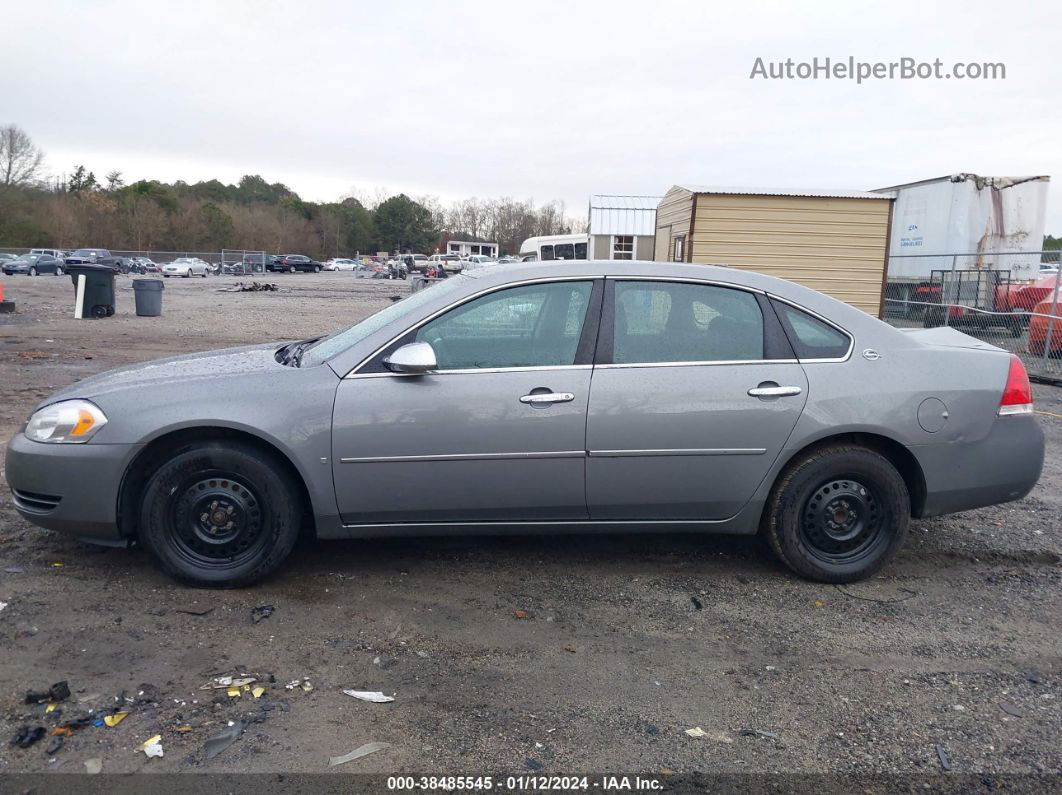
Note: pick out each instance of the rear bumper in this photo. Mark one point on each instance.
(72, 488)
(1003, 466)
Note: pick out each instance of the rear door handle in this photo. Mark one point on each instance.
(543, 398)
(775, 391)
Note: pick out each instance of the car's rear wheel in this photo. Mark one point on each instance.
(220, 515)
(32, 271)
(316, 268)
(837, 514)
(291, 269)
(59, 271)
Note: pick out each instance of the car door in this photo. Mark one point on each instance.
(495, 433)
(694, 394)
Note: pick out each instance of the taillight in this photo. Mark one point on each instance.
(1017, 394)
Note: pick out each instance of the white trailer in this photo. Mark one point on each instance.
(971, 216)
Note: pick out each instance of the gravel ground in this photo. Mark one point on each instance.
(518, 654)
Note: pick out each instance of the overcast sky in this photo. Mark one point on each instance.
(551, 100)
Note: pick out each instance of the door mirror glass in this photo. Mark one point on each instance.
(416, 357)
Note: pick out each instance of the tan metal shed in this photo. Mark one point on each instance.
(832, 241)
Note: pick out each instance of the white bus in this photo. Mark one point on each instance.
(554, 247)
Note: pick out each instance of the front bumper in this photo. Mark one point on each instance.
(1001, 467)
(72, 488)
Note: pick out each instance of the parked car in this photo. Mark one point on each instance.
(91, 256)
(143, 265)
(722, 401)
(51, 252)
(33, 264)
(186, 267)
(415, 263)
(6, 257)
(340, 264)
(451, 262)
(299, 262)
(474, 261)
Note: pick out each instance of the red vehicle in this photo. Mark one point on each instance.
(1040, 324)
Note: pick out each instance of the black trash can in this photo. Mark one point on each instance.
(148, 294)
(99, 288)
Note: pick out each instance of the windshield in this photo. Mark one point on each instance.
(84, 252)
(329, 346)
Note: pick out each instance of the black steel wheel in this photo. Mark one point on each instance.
(841, 521)
(220, 514)
(837, 514)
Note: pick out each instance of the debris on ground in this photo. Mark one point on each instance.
(253, 287)
(261, 612)
(224, 738)
(719, 737)
(225, 682)
(758, 733)
(257, 691)
(357, 753)
(114, 720)
(942, 755)
(303, 684)
(191, 611)
(152, 746)
(1010, 709)
(25, 736)
(374, 696)
(2, 606)
(697, 604)
(93, 766)
(520, 613)
(55, 745)
(14, 570)
(60, 691)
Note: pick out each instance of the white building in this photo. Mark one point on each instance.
(622, 227)
(465, 248)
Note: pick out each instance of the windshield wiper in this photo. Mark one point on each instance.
(291, 354)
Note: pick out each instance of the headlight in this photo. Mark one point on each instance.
(70, 421)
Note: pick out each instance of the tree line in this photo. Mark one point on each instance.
(81, 209)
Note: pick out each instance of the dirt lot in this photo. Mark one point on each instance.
(528, 654)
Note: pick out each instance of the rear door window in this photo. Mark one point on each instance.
(658, 321)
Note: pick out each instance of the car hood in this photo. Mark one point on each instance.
(229, 362)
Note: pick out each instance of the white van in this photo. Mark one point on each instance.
(58, 253)
(554, 247)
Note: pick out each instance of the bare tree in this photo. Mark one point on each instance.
(20, 159)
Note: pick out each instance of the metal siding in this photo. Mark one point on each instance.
(878, 195)
(673, 216)
(615, 221)
(834, 245)
(644, 248)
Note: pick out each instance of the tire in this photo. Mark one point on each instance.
(229, 479)
(205, 274)
(99, 310)
(316, 268)
(59, 270)
(291, 269)
(803, 517)
(33, 271)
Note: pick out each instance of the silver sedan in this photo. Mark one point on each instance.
(186, 267)
(569, 397)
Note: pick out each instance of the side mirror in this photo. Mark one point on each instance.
(412, 359)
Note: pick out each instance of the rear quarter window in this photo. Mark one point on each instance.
(812, 338)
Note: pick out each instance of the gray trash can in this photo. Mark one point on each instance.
(148, 293)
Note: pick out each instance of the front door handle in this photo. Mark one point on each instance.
(545, 398)
(774, 391)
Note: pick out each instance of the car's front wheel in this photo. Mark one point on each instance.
(59, 270)
(291, 269)
(220, 514)
(837, 514)
(32, 271)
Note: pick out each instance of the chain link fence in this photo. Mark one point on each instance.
(1008, 299)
